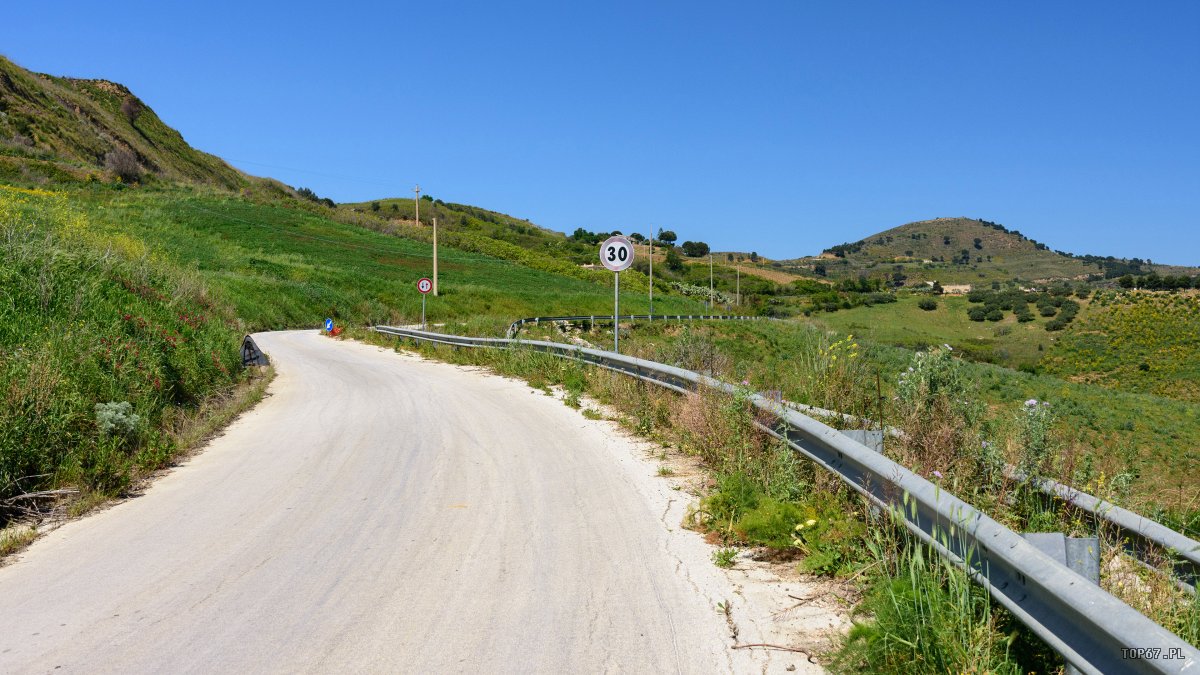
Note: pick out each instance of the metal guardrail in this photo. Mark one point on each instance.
(607, 318)
(1143, 538)
(1093, 631)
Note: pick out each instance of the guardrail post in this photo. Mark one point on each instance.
(1079, 554)
(872, 438)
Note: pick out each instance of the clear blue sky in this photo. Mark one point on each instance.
(777, 127)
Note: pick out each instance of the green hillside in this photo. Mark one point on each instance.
(1135, 341)
(961, 251)
(903, 323)
(63, 129)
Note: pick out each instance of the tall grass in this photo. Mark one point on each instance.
(91, 319)
(921, 614)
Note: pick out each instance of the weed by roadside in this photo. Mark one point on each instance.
(724, 557)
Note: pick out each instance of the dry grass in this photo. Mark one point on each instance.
(15, 538)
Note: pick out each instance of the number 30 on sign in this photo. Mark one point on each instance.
(616, 253)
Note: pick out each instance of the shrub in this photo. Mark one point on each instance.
(1034, 424)
(977, 314)
(131, 108)
(117, 419)
(123, 164)
(927, 304)
(939, 410)
(995, 315)
(770, 523)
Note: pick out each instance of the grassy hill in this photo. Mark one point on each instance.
(63, 129)
(961, 251)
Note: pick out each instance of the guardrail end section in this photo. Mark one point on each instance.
(252, 355)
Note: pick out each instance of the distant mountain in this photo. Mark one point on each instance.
(63, 129)
(962, 251)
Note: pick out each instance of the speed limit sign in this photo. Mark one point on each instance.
(425, 285)
(616, 253)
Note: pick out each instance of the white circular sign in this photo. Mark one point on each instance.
(425, 285)
(616, 253)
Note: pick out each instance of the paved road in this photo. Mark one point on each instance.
(376, 513)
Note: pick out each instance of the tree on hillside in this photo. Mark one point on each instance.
(131, 108)
(637, 238)
(753, 256)
(375, 207)
(937, 288)
(695, 249)
(395, 208)
(667, 237)
(674, 262)
(978, 243)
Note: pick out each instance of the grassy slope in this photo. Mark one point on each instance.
(92, 318)
(1138, 341)
(280, 267)
(903, 324)
(60, 129)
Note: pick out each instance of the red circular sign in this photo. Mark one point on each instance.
(425, 285)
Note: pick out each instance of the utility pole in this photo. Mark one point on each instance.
(652, 274)
(737, 294)
(417, 204)
(435, 257)
(711, 301)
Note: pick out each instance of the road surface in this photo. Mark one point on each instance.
(376, 513)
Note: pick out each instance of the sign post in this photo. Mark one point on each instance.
(616, 254)
(328, 325)
(424, 285)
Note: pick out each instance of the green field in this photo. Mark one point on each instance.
(1136, 341)
(283, 267)
(903, 324)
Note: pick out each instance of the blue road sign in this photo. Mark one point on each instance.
(328, 325)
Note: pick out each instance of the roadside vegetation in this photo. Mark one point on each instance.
(107, 355)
